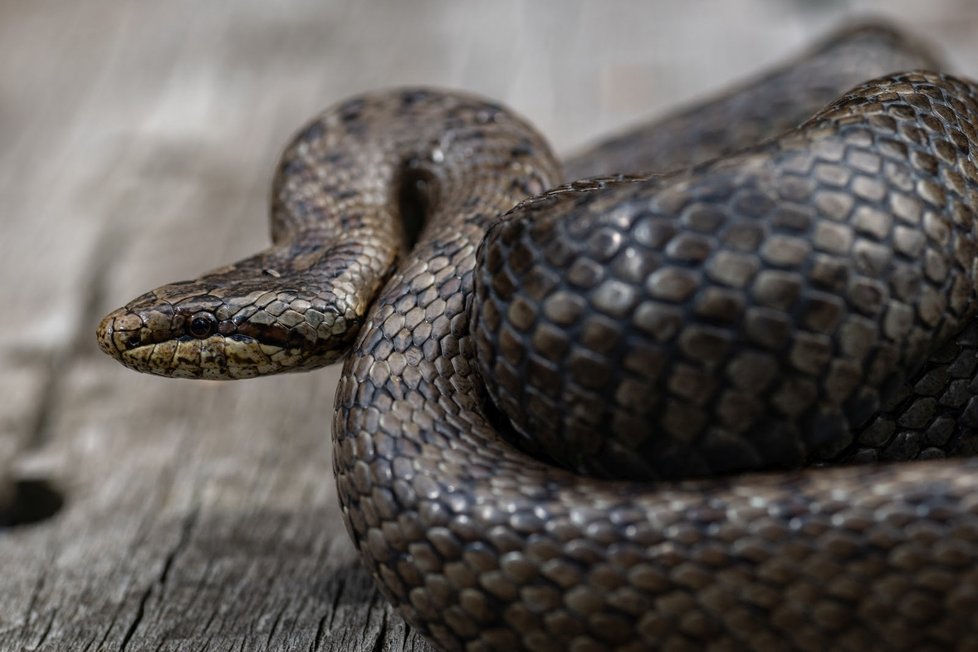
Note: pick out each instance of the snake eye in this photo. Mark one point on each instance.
(202, 325)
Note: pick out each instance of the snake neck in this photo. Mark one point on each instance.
(354, 190)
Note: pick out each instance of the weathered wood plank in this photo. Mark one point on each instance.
(136, 146)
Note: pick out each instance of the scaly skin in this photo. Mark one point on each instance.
(848, 242)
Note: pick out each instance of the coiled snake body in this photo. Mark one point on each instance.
(786, 303)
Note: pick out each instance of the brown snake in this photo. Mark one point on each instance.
(808, 298)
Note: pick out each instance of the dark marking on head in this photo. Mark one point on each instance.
(524, 148)
(273, 335)
(411, 97)
(314, 131)
(351, 110)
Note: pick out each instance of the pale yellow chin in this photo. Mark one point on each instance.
(214, 358)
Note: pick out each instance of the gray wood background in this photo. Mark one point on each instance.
(136, 144)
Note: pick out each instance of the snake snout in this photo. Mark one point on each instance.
(119, 332)
(103, 335)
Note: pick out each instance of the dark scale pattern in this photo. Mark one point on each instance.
(751, 313)
(812, 272)
(486, 548)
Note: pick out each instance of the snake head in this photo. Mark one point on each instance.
(209, 328)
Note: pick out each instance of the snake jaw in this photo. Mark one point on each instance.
(185, 330)
(125, 336)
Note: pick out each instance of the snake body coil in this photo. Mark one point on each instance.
(820, 286)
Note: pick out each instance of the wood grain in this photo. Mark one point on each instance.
(136, 147)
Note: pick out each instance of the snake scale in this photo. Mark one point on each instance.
(760, 302)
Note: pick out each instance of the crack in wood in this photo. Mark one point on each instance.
(134, 625)
(381, 639)
(323, 626)
(189, 522)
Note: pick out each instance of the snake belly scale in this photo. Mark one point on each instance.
(485, 547)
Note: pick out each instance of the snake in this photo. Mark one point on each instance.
(542, 375)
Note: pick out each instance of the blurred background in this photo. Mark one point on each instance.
(137, 141)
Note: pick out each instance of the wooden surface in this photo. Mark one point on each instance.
(136, 144)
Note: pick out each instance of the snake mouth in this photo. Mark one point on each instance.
(125, 336)
(138, 343)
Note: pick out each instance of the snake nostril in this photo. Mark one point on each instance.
(133, 341)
